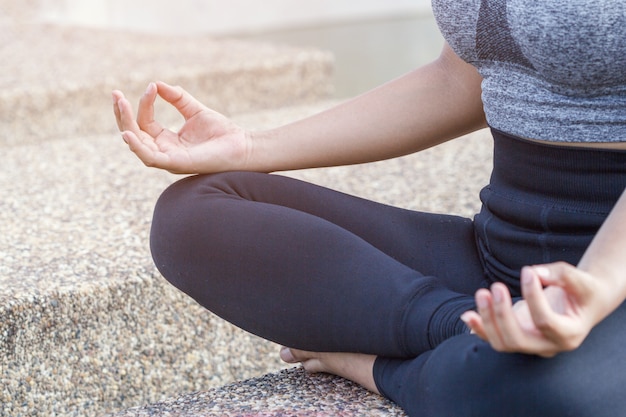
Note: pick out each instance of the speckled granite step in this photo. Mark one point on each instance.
(289, 393)
(87, 326)
(56, 81)
(86, 322)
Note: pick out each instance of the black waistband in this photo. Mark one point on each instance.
(589, 178)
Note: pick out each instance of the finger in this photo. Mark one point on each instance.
(509, 329)
(145, 112)
(574, 281)
(475, 323)
(146, 151)
(144, 140)
(540, 310)
(484, 303)
(117, 96)
(126, 117)
(184, 102)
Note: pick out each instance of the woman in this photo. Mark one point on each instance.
(388, 297)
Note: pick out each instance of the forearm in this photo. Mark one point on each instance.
(433, 104)
(605, 258)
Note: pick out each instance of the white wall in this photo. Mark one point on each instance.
(222, 16)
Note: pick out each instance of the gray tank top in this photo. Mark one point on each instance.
(552, 69)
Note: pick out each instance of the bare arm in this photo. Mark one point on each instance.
(605, 259)
(428, 106)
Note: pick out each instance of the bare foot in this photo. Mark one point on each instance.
(356, 367)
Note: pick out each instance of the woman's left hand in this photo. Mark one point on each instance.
(560, 305)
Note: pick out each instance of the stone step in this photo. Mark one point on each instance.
(86, 322)
(87, 326)
(56, 81)
(290, 392)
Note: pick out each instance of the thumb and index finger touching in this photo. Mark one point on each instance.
(184, 102)
(140, 134)
(575, 283)
(554, 319)
(178, 97)
(572, 280)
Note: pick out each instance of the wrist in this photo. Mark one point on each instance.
(609, 276)
(257, 157)
(608, 290)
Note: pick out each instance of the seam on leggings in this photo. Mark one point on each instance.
(543, 237)
(380, 364)
(403, 324)
(449, 326)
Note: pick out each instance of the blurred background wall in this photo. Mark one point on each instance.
(373, 40)
(223, 16)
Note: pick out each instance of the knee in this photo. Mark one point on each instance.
(169, 232)
(177, 207)
(182, 215)
(186, 222)
(172, 209)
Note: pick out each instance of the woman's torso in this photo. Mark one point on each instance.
(553, 71)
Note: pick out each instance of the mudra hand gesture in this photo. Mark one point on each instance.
(208, 141)
(561, 304)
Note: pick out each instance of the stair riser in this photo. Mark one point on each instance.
(115, 348)
(32, 116)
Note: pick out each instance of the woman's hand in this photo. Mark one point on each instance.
(561, 304)
(208, 141)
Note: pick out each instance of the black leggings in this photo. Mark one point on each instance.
(315, 269)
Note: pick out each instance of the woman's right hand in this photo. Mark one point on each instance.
(208, 141)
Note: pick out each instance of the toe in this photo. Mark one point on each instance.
(287, 355)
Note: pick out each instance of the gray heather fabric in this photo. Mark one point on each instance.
(553, 69)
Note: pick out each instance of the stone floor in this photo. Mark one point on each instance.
(85, 316)
(289, 393)
(86, 322)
